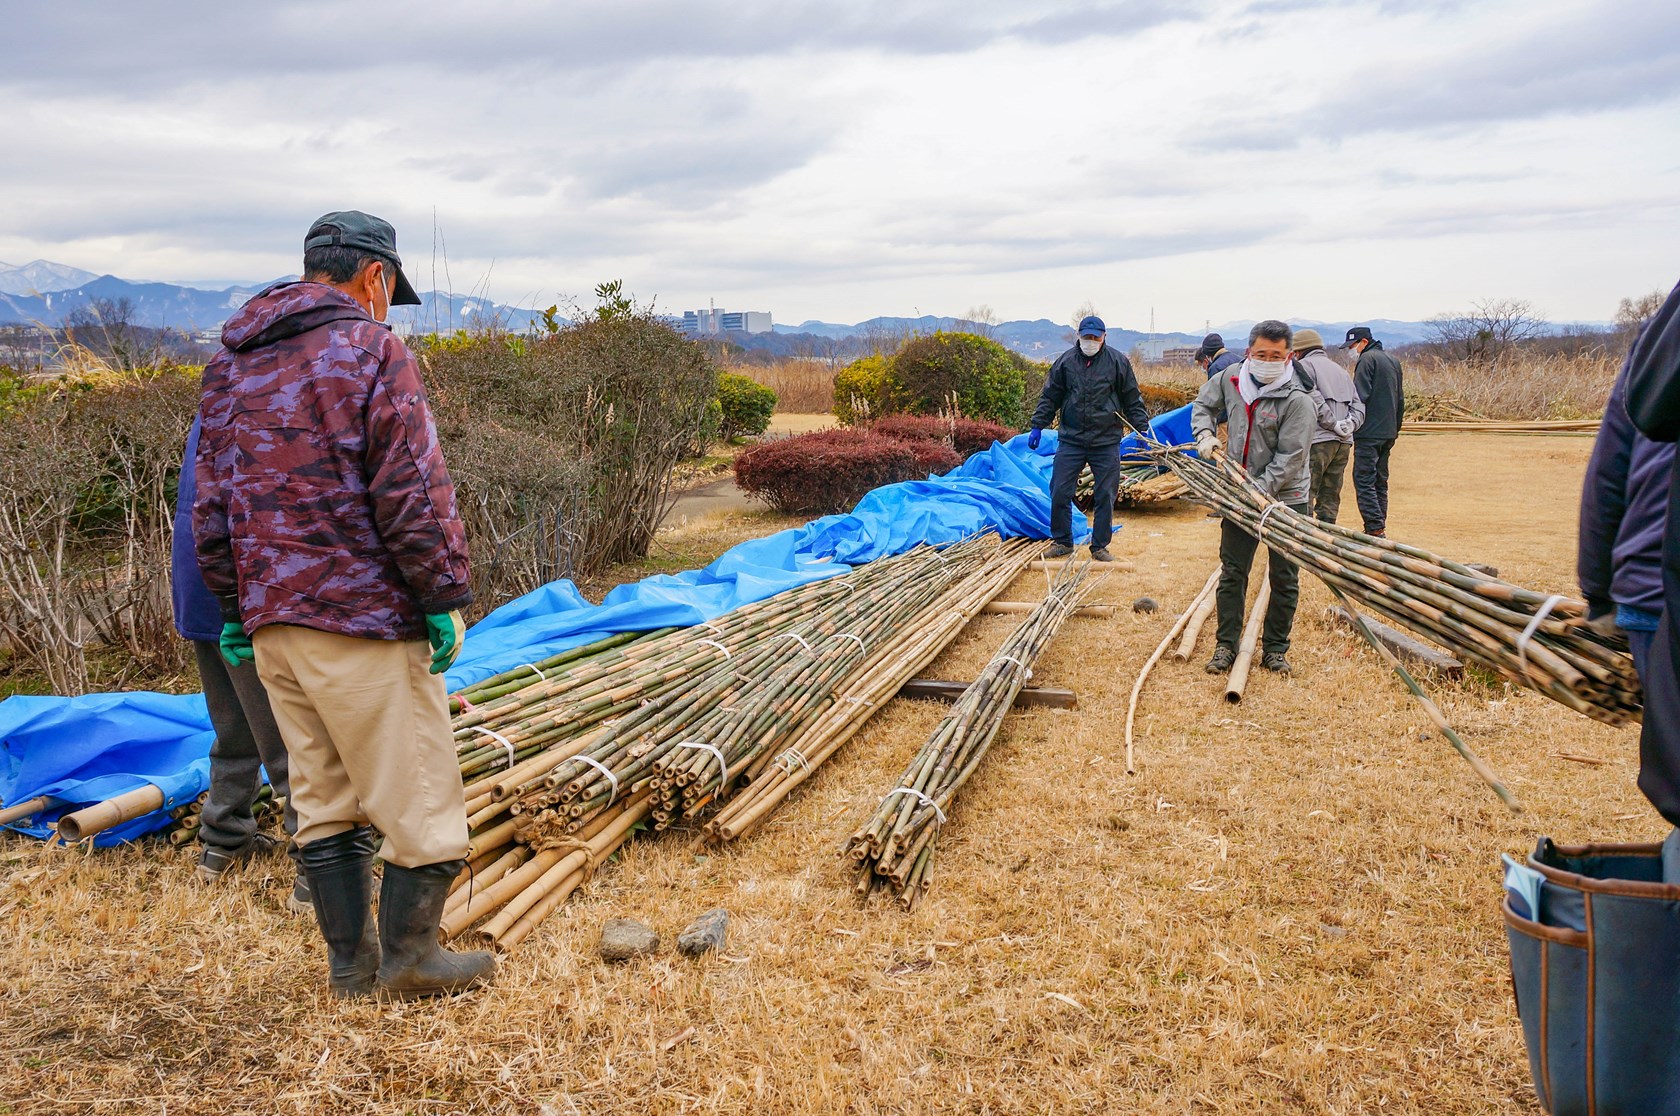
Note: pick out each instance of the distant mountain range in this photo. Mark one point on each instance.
(44, 293)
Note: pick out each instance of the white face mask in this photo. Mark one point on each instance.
(1090, 346)
(1266, 371)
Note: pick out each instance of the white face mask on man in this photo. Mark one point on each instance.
(1266, 371)
(1090, 346)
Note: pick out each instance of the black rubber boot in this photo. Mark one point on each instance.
(340, 873)
(413, 965)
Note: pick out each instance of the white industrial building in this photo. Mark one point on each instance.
(714, 321)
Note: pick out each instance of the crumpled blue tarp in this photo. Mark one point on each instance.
(87, 749)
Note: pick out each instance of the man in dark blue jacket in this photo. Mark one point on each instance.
(1653, 403)
(1096, 392)
(1624, 507)
(1214, 357)
(247, 738)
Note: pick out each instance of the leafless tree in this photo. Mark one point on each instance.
(1488, 330)
(983, 320)
(1633, 313)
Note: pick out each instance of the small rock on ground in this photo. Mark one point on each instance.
(1144, 604)
(624, 938)
(705, 933)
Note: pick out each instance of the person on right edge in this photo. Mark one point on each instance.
(327, 528)
(1271, 418)
(1340, 413)
(1377, 379)
(1653, 404)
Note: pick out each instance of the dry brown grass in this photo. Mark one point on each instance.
(802, 387)
(1520, 387)
(1290, 908)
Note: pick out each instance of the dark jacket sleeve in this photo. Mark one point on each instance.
(413, 496)
(1131, 399)
(1604, 501)
(212, 541)
(1653, 385)
(1050, 399)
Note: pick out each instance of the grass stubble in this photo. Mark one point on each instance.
(1290, 908)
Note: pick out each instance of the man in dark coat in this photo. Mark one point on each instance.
(1096, 393)
(326, 526)
(1214, 357)
(1653, 403)
(247, 739)
(1378, 380)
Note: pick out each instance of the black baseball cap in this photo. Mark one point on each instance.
(351, 228)
(1357, 333)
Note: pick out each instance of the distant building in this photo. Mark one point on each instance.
(1183, 354)
(711, 321)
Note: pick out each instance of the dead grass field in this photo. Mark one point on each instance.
(1290, 908)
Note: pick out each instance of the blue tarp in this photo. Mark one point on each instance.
(86, 749)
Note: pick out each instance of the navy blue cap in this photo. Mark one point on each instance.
(1356, 335)
(1092, 326)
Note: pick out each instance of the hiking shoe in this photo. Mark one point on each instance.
(1223, 660)
(215, 860)
(299, 901)
(1101, 554)
(1275, 662)
(1058, 551)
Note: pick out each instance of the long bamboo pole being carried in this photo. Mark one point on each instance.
(1203, 597)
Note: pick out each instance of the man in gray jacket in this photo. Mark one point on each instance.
(1377, 378)
(1340, 411)
(1271, 418)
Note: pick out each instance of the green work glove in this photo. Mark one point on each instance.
(236, 645)
(445, 631)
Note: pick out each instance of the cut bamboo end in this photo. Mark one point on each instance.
(91, 820)
(1238, 680)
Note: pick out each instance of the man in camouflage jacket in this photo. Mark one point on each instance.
(326, 526)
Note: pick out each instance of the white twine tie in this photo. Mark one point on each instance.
(532, 667)
(922, 798)
(791, 760)
(697, 746)
(1017, 662)
(853, 638)
(602, 768)
(719, 646)
(799, 639)
(1534, 626)
(498, 738)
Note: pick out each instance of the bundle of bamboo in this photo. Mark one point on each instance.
(1531, 639)
(894, 848)
(654, 730)
(185, 820)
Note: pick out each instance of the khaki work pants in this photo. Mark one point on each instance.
(367, 731)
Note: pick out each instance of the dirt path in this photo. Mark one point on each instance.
(1290, 908)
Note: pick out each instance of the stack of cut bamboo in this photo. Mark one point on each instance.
(185, 820)
(894, 848)
(658, 730)
(1528, 638)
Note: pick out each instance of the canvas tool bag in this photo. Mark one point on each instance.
(1597, 978)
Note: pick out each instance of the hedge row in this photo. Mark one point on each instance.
(831, 470)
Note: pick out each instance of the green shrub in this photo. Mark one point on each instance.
(979, 375)
(865, 389)
(746, 406)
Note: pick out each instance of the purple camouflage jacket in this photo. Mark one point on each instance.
(323, 500)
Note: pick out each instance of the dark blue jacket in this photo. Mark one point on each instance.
(1224, 360)
(1624, 505)
(197, 615)
(1092, 394)
(1653, 403)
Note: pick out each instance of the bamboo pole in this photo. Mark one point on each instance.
(25, 809)
(101, 816)
(1183, 620)
(1022, 608)
(1476, 763)
(1238, 678)
(1193, 630)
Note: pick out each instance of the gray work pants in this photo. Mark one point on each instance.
(1329, 469)
(247, 740)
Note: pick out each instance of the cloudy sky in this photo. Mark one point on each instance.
(1207, 159)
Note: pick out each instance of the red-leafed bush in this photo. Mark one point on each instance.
(966, 436)
(832, 470)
